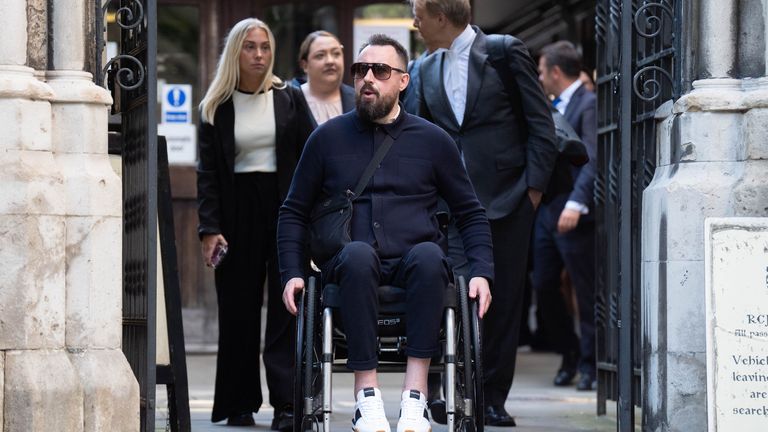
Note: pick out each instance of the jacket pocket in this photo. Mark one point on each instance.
(510, 159)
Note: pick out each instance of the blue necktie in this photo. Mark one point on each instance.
(556, 101)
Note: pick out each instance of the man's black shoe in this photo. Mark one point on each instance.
(496, 415)
(283, 420)
(586, 382)
(437, 409)
(244, 419)
(564, 377)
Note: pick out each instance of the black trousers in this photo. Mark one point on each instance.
(422, 271)
(574, 251)
(501, 325)
(252, 260)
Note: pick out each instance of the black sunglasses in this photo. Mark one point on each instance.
(381, 71)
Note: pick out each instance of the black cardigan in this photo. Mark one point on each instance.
(216, 167)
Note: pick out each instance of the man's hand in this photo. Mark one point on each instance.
(535, 197)
(293, 287)
(568, 220)
(479, 289)
(208, 244)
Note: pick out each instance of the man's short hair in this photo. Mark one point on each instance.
(379, 39)
(458, 12)
(564, 55)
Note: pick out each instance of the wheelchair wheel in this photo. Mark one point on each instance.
(469, 381)
(477, 345)
(307, 360)
(298, 378)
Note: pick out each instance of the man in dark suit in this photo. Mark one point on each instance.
(507, 143)
(564, 232)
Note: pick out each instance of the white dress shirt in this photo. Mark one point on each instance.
(456, 72)
(565, 99)
(566, 95)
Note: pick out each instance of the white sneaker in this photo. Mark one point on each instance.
(369, 412)
(413, 413)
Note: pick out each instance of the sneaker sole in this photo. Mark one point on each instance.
(378, 430)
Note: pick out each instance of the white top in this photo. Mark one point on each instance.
(254, 132)
(456, 71)
(322, 110)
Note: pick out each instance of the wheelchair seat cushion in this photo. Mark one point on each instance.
(391, 298)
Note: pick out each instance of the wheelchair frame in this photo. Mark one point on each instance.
(318, 342)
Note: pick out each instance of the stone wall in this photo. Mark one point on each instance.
(61, 366)
(713, 144)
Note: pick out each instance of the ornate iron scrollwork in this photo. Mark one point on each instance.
(126, 11)
(653, 20)
(129, 16)
(126, 73)
(649, 85)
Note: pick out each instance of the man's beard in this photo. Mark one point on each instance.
(376, 109)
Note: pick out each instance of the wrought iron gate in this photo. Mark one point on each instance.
(131, 77)
(638, 69)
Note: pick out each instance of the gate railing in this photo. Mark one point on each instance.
(638, 70)
(132, 79)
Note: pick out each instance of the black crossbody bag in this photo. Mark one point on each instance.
(330, 220)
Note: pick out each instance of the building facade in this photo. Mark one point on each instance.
(61, 362)
(712, 145)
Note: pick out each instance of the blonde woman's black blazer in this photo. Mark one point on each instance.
(216, 204)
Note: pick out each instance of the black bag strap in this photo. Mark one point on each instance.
(497, 56)
(372, 165)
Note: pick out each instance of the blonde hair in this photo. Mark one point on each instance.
(228, 68)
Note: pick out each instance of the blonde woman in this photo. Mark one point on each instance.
(321, 57)
(253, 128)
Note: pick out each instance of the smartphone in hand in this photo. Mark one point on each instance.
(219, 252)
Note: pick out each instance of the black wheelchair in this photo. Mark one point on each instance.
(321, 350)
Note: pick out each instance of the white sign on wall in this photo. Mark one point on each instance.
(176, 103)
(736, 275)
(181, 139)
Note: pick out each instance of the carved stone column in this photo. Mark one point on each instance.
(40, 389)
(718, 38)
(93, 208)
(713, 149)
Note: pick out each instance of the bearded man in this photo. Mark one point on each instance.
(396, 239)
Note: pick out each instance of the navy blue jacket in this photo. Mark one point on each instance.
(397, 209)
(581, 113)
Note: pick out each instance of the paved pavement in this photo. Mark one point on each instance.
(535, 403)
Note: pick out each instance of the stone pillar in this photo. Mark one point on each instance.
(93, 208)
(713, 145)
(40, 391)
(718, 27)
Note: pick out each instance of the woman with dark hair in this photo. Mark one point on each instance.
(321, 57)
(253, 129)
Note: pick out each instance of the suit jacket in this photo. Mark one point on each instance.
(347, 101)
(581, 113)
(504, 154)
(572, 183)
(216, 167)
(411, 95)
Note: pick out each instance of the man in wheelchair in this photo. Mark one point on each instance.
(395, 236)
